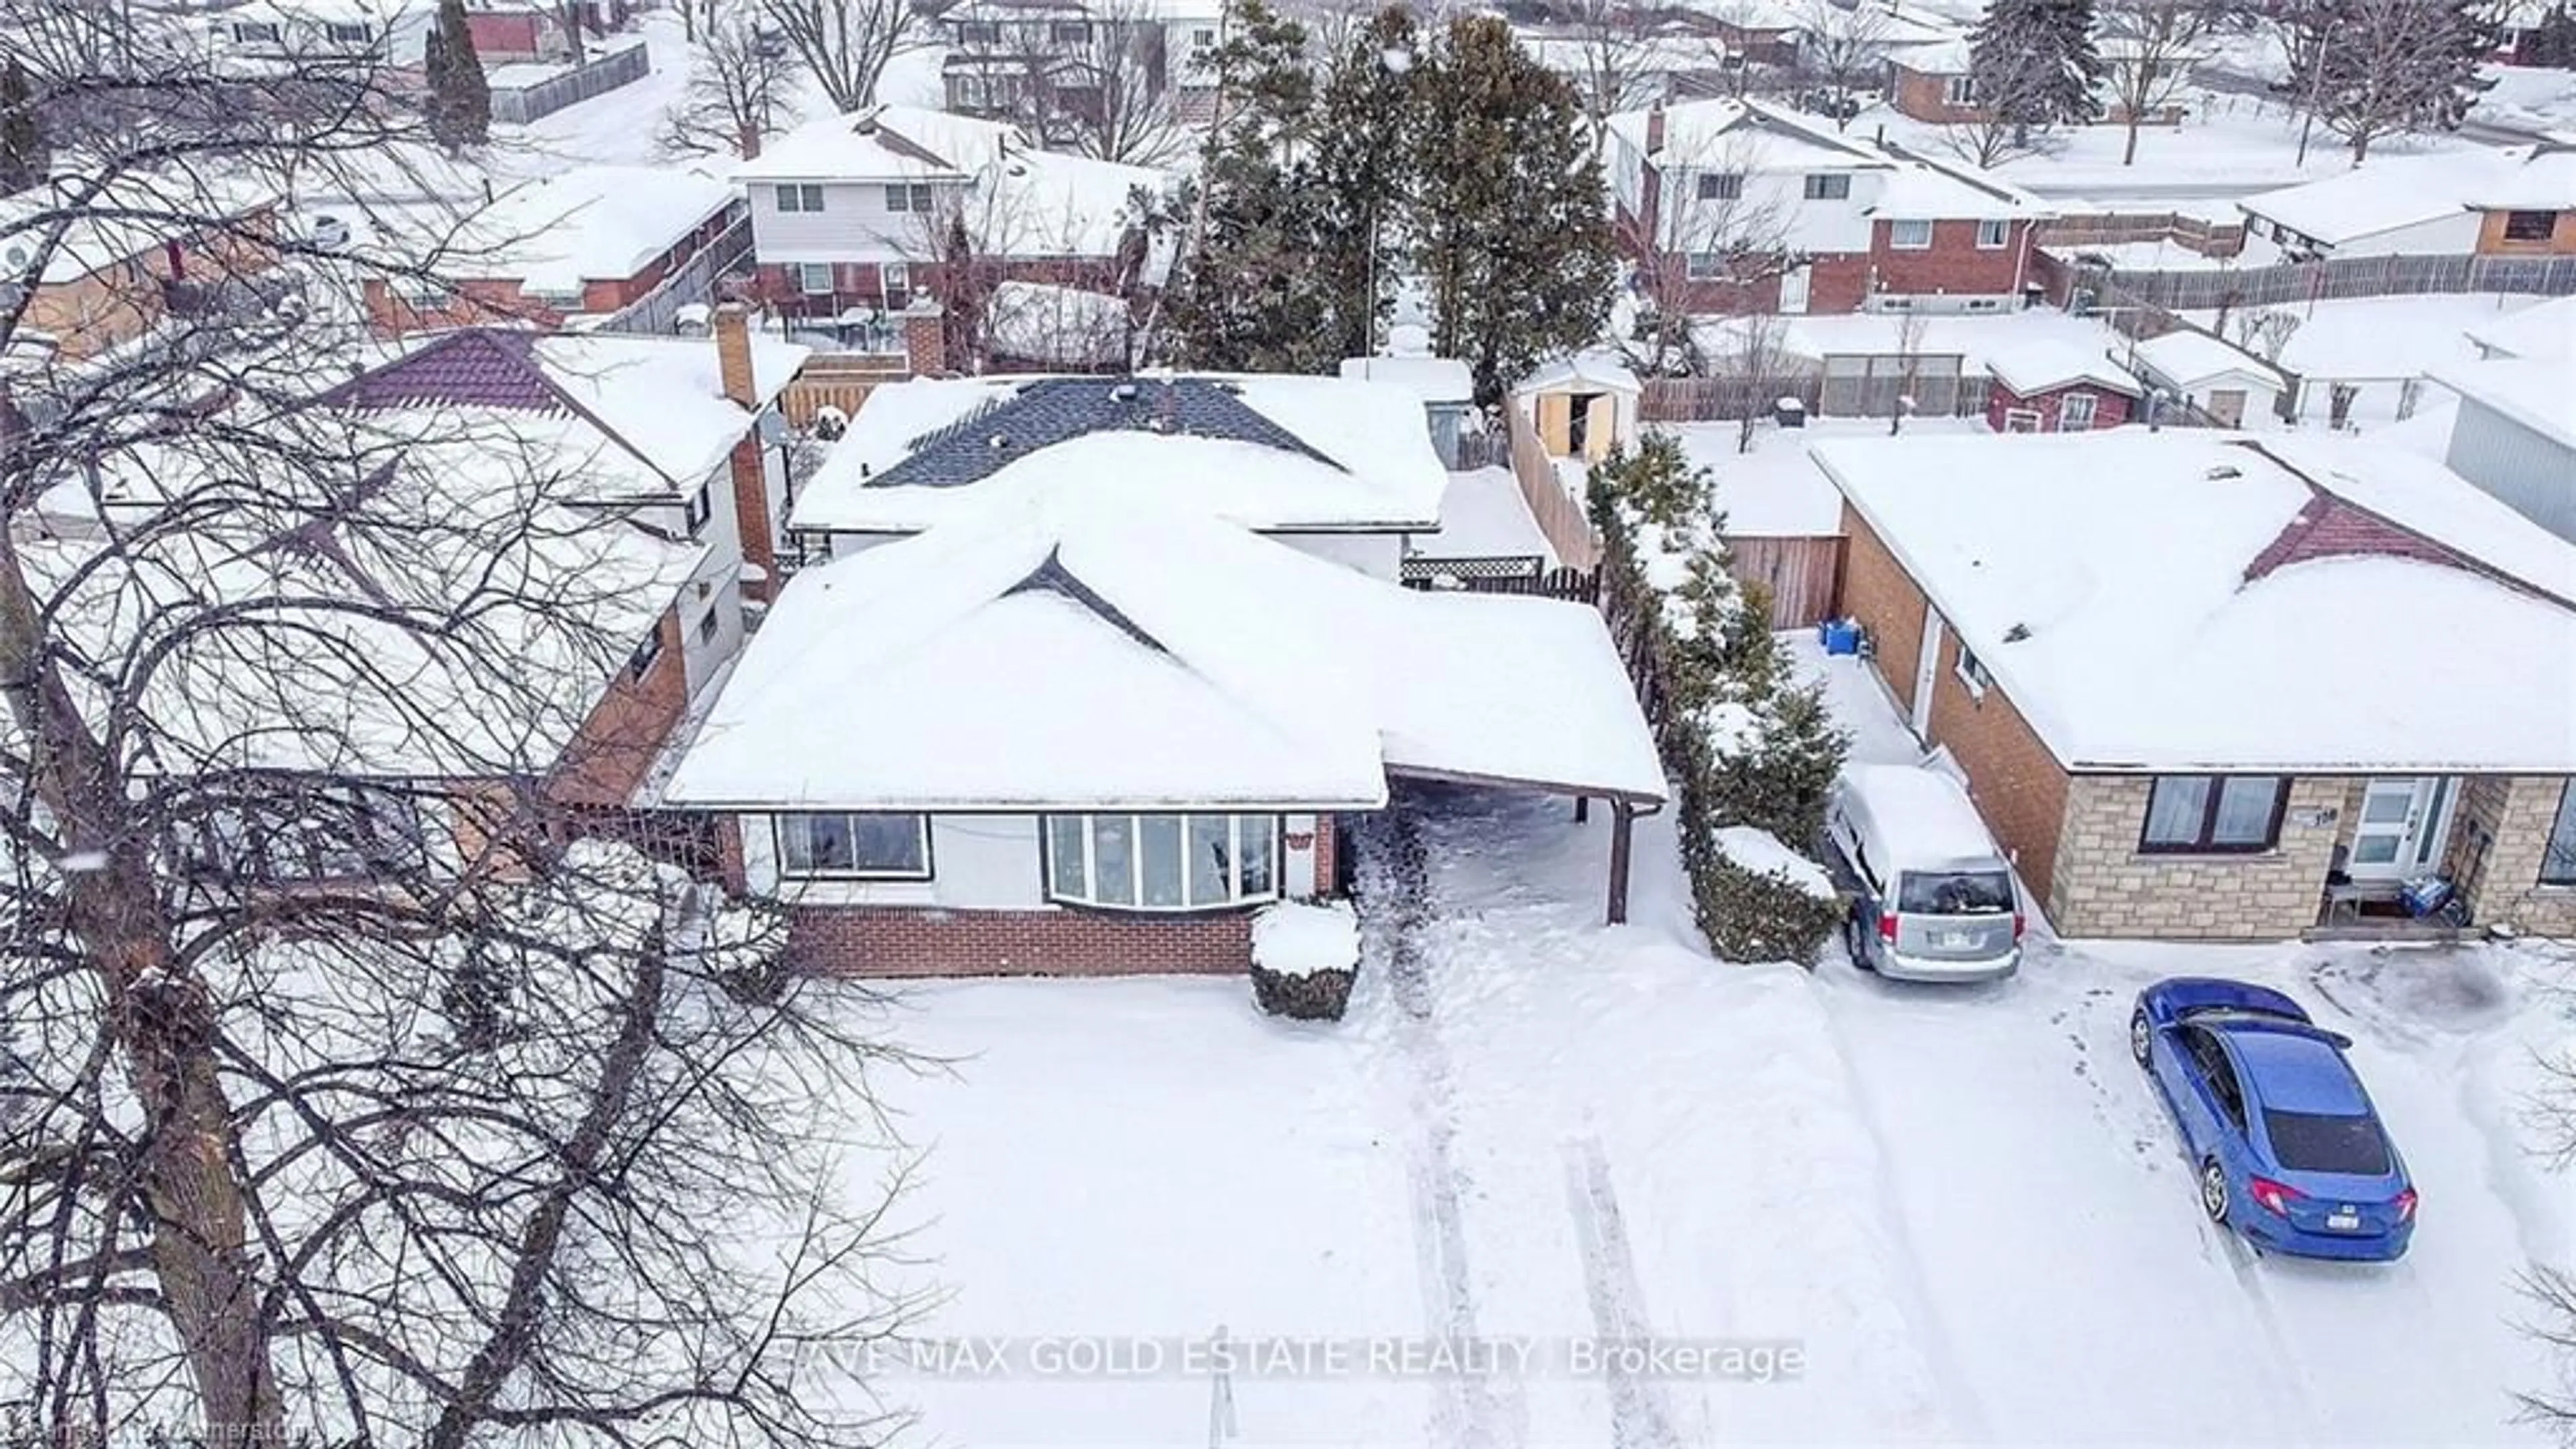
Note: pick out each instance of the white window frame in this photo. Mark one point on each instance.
(2092, 408)
(800, 197)
(2027, 416)
(646, 654)
(1828, 186)
(1704, 266)
(806, 272)
(1994, 233)
(1959, 90)
(893, 277)
(1971, 671)
(1721, 186)
(701, 507)
(1897, 233)
(788, 870)
(910, 196)
(1089, 896)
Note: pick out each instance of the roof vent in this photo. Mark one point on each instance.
(1123, 392)
(998, 442)
(2016, 633)
(2223, 472)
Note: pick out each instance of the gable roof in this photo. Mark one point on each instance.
(2186, 358)
(883, 143)
(588, 223)
(1263, 451)
(2537, 392)
(2175, 601)
(1697, 132)
(1150, 657)
(2038, 367)
(2543, 330)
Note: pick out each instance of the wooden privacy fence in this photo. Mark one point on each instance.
(840, 380)
(2338, 279)
(1559, 514)
(2113, 228)
(691, 283)
(522, 104)
(1847, 385)
(1803, 576)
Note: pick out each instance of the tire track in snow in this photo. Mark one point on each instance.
(1639, 1416)
(1468, 1412)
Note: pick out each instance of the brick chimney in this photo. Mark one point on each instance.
(1655, 129)
(751, 509)
(925, 340)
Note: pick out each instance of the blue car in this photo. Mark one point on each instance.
(2288, 1149)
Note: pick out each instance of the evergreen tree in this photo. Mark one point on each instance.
(2551, 43)
(1509, 219)
(2032, 64)
(1247, 298)
(1355, 185)
(459, 106)
(24, 157)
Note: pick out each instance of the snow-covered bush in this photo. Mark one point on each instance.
(1745, 744)
(1304, 958)
(1761, 901)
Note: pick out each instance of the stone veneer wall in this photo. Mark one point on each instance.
(2513, 813)
(2102, 886)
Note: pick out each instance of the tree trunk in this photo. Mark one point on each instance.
(163, 1022)
(2129, 148)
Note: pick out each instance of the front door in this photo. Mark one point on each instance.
(1927, 672)
(2405, 822)
(1793, 290)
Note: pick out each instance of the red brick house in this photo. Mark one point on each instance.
(584, 242)
(1728, 206)
(2057, 387)
(2161, 661)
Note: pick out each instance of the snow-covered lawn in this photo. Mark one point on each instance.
(2532, 96)
(2383, 337)
(1963, 1207)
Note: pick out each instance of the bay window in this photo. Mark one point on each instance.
(2213, 814)
(1162, 862)
(854, 845)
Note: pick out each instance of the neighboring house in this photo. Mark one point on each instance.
(505, 33)
(1340, 469)
(1852, 225)
(1626, 72)
(2163, 663)
(265, 34)
(2478, 201)
(2543, 330)
(1068, 731)
(1931, 82)
(117, 270)
(2225, 383)
(854, 217)
(1581, 406)
(2056, 387)
(667, 430)
(2515, 435)
(583, 242)
(1027, 61)
(1446, 386)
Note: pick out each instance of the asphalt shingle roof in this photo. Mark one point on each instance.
(1059, 409)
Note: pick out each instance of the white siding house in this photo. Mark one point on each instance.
(2515, 436)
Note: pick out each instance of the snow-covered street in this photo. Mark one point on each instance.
(1964, 1208)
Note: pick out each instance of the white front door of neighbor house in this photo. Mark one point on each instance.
(2404, 824)
(1793, 290)
(1927, 671)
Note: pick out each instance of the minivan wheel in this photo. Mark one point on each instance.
(1855, 942)
(2213, 1191)
(2142, 1036)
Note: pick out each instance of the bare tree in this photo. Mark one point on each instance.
(1607, 49)
(1017, 266)
(1841, 49)
(341, 1100)
(1910, 330)
(2373, 68)
(741, 89)
(1756, 356)
(846, 44)
(1717, 240)
(1128, 88)
(1989, 138)
(2266, 331)
(2148, 48)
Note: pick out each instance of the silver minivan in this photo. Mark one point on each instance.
(1935, 899)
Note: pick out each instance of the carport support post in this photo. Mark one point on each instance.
(1582, 808)
(1622, 816)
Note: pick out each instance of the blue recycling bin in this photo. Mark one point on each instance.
(1839, 636)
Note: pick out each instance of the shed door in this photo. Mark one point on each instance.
(1556, 423)
(2227, 405)
(1600, 426)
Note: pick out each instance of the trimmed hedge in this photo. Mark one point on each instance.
(1315, 996)
(1752, 915)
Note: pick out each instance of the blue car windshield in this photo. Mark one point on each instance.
(2313, 1142)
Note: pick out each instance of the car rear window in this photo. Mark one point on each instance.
(1955, 893)
(2315, 1142)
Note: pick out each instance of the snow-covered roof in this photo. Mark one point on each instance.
(2537, 392)
(2543, 179)
(584, 224)
(1432, 379)
(1765, 137)
(1261, 450)
(1940, 56)
(2185, 358)
(1921, 189)
(1049, 647)
(2547, 329)
(2040, 366)
(1917, 817)
(1584, 372)
(891, 143)
(2401, 191)
(1055, 326)
(1047, 204)
(2183, 601)
(136, 213)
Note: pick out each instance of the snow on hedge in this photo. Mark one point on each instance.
(1760, 852)
(1294, 938)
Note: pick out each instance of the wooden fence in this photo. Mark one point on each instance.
(2341, 279)
(1526, 574)
(519, 105)
(1851, 385)
(840, 380)
(1803, 576)
(691, 283)
(2115, 228)
(1559, 514)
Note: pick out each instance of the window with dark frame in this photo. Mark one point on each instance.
(2558, 856)
(1972, 673)
(346, 33)
(2213, 814)
(641, 662)
(699, 509)
(1829, 186)
(1721, 185)
(912, 197)
(854, 845)
(2530, 225)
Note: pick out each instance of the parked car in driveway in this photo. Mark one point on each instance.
(1933, 898)
(2286, 1147)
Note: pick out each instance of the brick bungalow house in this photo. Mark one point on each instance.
(2058, 387)
(128, 263)
(1077, 729)
(2500, 202)
(853, 216)
(1715, 192)
(2215, 688)
(583, 242)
